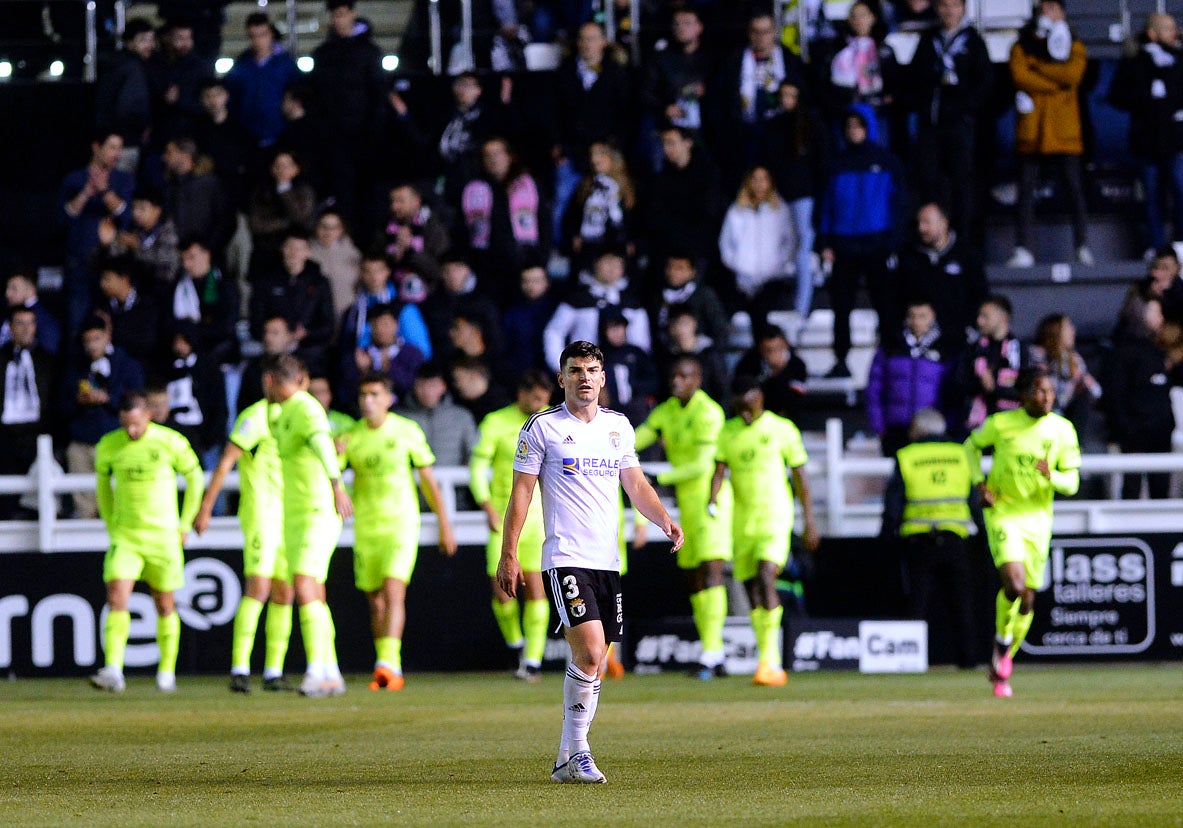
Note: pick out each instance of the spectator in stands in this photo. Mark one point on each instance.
(469, 338)
(305, 134)
(450, 430)
(225, 141)
(388, 354)
(756, 244)
(472, 382)
(196, 397)
(914, 15)
(778, 369)
(863, 69)
(96, 192)
(95, 382)
(862, 213)
(600, 214)
(277, 339)
(685, 201)
(748, 95)
(26, 377)
(204, 17)
(632, 376)
(1149, 86)
(20, 291)
(194, 198)
(1047, 65)
(524, 322)
(907, 374)
(258, 79)
(175, 74)
(206, 298)
(578, 315)
(339, 421)
(796, 153)
(281, 203)
(351, 89)
(676, 78)
(683, 336)
(123, 97)
(338, 257)
(991, 364)
(1141, 418)
(942, 267)
(682, 286)
(1077, 391)
(593, 98)
(374, 288)
(150, 240)
(299, 293)
(501, 211)
(414, 237)
(950, 82)
(1163, 283)
(134, 317)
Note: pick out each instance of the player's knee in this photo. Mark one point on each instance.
(1012, 590)
(1028, 603)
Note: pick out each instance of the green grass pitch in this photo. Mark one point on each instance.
(1077, 745)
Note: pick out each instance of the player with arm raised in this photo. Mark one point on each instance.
(523, 628)
(761, 450)
(1036, 456)
(688, 425)
(581, 454)
(314, 504)
(264, 561)
(385, 450)
(145, 532)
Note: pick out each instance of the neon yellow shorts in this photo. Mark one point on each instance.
(707, 538)
(1020, 539)
(155, 558)
(263, 554)
(310, 544)
(529, 548)
(770, 543)
(390, 553)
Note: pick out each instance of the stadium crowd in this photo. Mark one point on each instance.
(268, 211)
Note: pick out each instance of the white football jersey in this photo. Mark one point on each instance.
(578, 466)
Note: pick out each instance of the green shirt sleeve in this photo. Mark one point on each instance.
(793, 447)
(103, 495)
(419, 450)
(707, 429)
(648, 431)
(322, 446)
(187, 465)
(1065, 469)
(481, 462)
(983, 436)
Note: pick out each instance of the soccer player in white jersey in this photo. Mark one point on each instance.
(582, 454)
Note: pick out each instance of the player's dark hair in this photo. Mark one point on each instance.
(1025, 383)
(1001, 302)
(376, 378)
(132, 400)
(580, 349)
(535, 378)
(743, 384)
(283, 368)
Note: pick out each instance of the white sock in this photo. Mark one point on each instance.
(271, 673)
(316, 670)
(240, 671)
(711, 658)
(579, 701)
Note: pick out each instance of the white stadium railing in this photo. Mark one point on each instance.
(847, 491)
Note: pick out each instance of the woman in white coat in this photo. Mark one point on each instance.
(756, 243)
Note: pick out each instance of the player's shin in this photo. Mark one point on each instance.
(246, 623)
(115, 632)
(1022, 626)
(1005, 613)
(535, 617)
(168, 638)
(579, 701)
(278, 632)
(507, 615)
(313, 620)
(713, 602)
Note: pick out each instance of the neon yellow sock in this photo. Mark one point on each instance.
(386, 650)
(1022, 626)
(330, 634)
(115, 632)
(713, 603)
(770, 645)
(396, 655)
(759, 617)
(168, 638)
(279, 633)
(509, 622)
(1005, 611)
(696, 612)
(313, 617)
(535, 618)
(246, 623)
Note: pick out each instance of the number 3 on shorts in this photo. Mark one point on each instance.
(570, 587)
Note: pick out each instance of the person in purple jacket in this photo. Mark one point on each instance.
(907, 374)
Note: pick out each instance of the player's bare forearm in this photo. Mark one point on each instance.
(805, 495)
(646, 501)
(230, 455)
(431, 491)
(509, 570)
(717, 480)
(341, 500)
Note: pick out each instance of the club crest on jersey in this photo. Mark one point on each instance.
(570, 466)
(522, 452)
(614, 439)
(578, 608)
